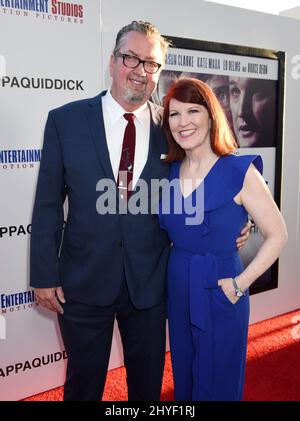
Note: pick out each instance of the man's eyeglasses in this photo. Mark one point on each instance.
(133, 62)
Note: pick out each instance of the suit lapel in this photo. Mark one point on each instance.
(96, 122)
(155, 137)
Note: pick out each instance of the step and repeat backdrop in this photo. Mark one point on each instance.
(49, 55)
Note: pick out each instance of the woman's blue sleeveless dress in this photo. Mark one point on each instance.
(208, 334)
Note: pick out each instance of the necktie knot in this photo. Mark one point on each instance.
(129, 117)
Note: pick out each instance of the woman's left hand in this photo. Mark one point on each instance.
(228, 289)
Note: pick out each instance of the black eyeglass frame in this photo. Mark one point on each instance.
(139, 61)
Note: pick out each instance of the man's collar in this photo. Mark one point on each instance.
(116, 111)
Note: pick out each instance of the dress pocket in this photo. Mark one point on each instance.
(223, 297)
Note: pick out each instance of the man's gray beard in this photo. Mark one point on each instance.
(135, 98)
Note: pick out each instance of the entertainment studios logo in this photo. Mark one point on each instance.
(10, 303)
(19, 159)
(50, 10)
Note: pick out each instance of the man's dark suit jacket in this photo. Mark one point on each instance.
(91, 255)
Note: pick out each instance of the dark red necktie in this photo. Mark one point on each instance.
(127, 157)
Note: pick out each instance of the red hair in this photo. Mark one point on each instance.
(195, 91)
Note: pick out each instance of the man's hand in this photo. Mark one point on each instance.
(50, 298)
(241, 241)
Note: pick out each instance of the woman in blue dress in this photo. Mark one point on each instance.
(212, 191)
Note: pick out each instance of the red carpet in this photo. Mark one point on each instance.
(272, 374)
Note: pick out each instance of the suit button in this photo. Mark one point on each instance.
(120, 243)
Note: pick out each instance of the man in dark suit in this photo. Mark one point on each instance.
(105, 265)
(108, 265)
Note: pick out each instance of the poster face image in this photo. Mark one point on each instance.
(253, 109)
(248, 84)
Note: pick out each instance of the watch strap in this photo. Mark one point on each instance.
(237, 289)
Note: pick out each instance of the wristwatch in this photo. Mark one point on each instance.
(237, 289)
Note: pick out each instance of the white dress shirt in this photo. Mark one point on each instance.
(115, 125)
